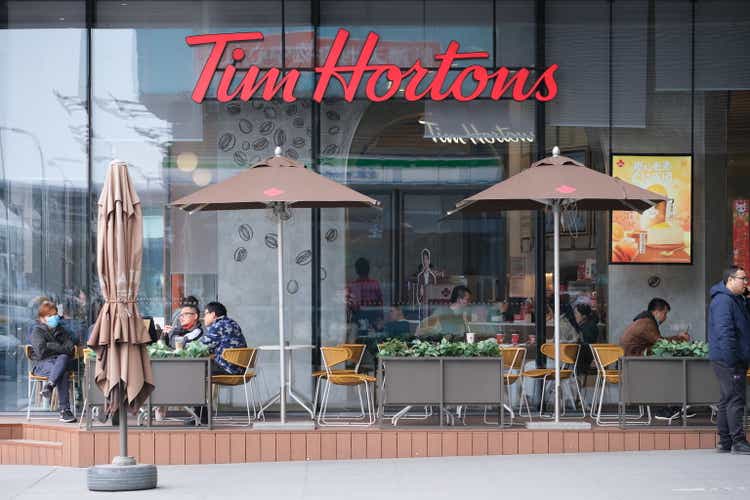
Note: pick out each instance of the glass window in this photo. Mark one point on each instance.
(44, 199)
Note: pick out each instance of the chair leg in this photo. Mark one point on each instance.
(316, 394)
(247, 402)
(28, 390)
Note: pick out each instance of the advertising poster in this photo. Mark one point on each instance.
(662, 234)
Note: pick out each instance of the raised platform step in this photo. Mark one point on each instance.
(30, 452)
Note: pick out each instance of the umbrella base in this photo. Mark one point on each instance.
(558, 426)
(121, 477)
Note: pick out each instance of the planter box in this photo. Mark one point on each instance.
(440, 381)
(178, 381)
(684, 381)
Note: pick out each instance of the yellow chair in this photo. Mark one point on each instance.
(335, 356)
(245, 358)
(357, 352)
(568, 364)
(35, 382)
(606, 357)
(514, 359)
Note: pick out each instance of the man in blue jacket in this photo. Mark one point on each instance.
(729, 351)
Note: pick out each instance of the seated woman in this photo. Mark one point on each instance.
(52, 351)
(587, 323)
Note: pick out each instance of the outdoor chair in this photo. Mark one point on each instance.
(332, 357)
(245, 358)
(568, 364)
(606, 357)
(514, 359)
(357, 353)
(34, 385)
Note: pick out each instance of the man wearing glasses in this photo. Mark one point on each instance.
(190, 327)
(729, 351)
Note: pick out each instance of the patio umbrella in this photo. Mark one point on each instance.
(278, 183)
(559, 182)
(119, 337)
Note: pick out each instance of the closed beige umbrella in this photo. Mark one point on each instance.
(119, 337)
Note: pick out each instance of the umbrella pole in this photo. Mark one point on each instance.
(123, 422)
(556, 292)
(282, 353)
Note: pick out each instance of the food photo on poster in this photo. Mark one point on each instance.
(662, 234)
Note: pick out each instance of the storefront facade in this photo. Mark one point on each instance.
(84, 82)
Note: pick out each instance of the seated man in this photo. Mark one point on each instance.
(397, 326)
(52, 352)
(221, 333)
(448, 320)
(190, 326)
(642, 334)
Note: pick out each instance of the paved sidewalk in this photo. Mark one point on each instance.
(698, 475)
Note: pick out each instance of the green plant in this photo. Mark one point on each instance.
(444, 348)
(668, 349)
(192, 350)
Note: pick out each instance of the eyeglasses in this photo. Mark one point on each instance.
(741, 278)
(188, 314)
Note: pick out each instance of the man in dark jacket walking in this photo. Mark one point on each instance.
(729, 351)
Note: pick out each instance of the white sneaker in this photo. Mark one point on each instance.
(159, 414)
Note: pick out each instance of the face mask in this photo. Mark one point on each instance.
(53, 321)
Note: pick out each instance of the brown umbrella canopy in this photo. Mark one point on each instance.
(561, 178)
(119, 336)
(274, 180)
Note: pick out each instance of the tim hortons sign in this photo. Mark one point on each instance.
(245, 81)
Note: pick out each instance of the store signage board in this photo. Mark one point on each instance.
(662, 234)
(412, 84)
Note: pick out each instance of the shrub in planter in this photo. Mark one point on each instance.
(443, 349)
(668, 349)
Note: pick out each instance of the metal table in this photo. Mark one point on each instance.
(287, 390)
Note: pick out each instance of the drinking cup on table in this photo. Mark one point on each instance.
(514, 338)
(470, 337)
(500, 338)
(179, 343)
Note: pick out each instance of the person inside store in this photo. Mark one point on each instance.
(364, 299)
(643, 332)
(569, 328)
(396, 326)
(729, 352)
(448, 320)
(587, 321)
(500, 312)
(190, 327)
(53, 354)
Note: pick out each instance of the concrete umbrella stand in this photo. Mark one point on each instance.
(123, 474)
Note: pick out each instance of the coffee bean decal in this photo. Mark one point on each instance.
(333, 130)
(279, 138)
(291, 153)
(260, 144)
(292, 110)
(234, 108)
(240, 158)
(332, 235)
(304, 257)
(298, 142)
(323, 273)
(298, 122)
(245, 126)
(266, 127)
(271, 240)
(333, 116)
(246, 232)
(331, 149)
(270, 113)
(240, 254)
(227, 142)
(292, 287)
(246, 145)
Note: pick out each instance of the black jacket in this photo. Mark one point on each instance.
(46, 342)
(728, 327)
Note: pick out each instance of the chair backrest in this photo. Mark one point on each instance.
(568, 352)
(27, 351)
(243, 357)
(513, 359)
(333, 356)
(357, 353)
(606, 355)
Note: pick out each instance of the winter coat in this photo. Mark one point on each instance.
(46, 342)
(728, 327)
(641, 335)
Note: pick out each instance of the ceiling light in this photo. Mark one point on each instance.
(202, 177)
(187, 161)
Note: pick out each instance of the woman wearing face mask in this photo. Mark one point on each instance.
(52, 351)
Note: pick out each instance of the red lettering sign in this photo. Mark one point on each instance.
(416, 82)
